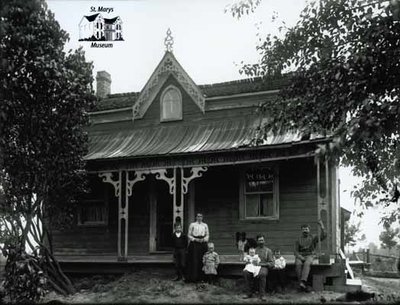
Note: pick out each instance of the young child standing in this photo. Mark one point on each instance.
(252, 261)
(180, 244)
(210, 264)
(241, 243)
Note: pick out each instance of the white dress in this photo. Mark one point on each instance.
(250, 267)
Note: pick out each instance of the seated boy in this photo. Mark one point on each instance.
(277, 276)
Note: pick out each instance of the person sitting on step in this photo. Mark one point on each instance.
(304, 252)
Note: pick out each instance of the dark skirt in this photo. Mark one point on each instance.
(196, 251)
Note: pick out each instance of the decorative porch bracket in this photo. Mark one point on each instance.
(107, 178)
(123, 204)
(195, 172)
(123, 190)
(324, 206)
(161, 174)
(178, 199)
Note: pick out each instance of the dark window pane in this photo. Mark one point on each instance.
(252, 205)
(266, 205)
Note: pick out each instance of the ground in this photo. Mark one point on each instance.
(157, 287)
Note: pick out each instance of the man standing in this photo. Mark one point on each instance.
(304, 252)
(267, 261)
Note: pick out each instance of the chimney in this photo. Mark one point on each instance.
(103, 80)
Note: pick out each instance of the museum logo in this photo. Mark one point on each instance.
(100, 30)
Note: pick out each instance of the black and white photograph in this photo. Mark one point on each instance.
(200, 151)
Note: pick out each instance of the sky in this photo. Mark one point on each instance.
(209, 43)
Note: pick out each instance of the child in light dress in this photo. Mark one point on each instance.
(210, 264)
(252, 261)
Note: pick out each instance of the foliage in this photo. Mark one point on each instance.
(25, 280)
(242, 7)
(389, 237)
(45, 95)
(351, 233)
(342, 58)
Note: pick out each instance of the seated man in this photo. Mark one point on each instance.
(304, 252)
(266, 258)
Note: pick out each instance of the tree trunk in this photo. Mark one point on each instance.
(57, 278)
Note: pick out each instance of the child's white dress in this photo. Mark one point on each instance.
(250, 267)
(280, 263)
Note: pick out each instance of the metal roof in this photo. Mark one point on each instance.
(170, 139)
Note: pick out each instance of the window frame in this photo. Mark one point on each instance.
(85, 203)
(180, 115)
(275, 194)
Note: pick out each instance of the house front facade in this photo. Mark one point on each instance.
(159, 156)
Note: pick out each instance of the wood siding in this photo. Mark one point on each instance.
(91, 240)
(217, 197)
(102, 240)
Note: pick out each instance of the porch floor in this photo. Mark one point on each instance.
(165, 258)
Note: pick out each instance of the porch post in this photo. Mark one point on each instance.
(107, 178)
(178, 194)
(161, 174)
(323, 200)
(139, 175)
(195, 172)
(153, 216)
(123, 194)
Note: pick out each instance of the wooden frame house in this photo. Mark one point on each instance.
(175, 148)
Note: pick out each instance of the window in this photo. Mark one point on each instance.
(259, 193)
(171, 104)
(92, 212)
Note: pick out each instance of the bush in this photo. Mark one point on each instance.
(24, 279)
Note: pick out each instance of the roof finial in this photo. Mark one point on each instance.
(169, 41)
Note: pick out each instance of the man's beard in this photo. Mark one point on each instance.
(305, 234)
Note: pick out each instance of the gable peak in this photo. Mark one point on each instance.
(167, 66)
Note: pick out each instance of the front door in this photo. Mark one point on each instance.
(164, 224)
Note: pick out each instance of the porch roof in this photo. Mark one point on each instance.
(169, 140)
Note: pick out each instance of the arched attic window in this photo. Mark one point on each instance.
(171, 104)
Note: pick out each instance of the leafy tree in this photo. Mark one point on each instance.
(45, 94)
(342, 59)
(350, 233)
(389, 237)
